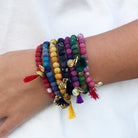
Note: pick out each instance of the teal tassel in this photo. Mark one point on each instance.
(81, 63)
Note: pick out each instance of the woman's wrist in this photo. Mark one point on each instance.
(113, 55)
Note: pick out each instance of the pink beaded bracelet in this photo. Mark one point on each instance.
(91, 83)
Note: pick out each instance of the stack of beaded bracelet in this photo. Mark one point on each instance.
(68, 74)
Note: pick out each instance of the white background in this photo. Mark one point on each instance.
(26, 23)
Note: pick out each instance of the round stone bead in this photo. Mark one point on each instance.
(53, 84)
(53, 49)
(45, 50)
(51, 79)
(82, 45)
(45, 59)
(45, 54)
(84, 86)
(53, 54)
(54, 59)
(82, 82)
(66, 75)
(37, 54)
(60, 48)
(56, 65)
(68, 46)
(55, 88)
(73, 42)
(49, 74)
(75, 51)
(80, 74)
(63, 91)
(82, 41)
(61, 53)
(76, 84)
(58, 76)
(46, 43)
(86, 74)
(56, 92)
(81, 78)
(83, 51)
(91, 83)
(88, 79)
(70, 56)
(63, 64)
(47, 85)
(86, 69)
(61, 44)
(74, 47)
(60, 40)
(57, 70)
(49, 90)
(73, 73)
(72, 68)
(66, 41)
(74, 78)
(73, 37)
(68, 51)
(47, 69)
(46, 64)
(38, 59)
(62, 58)
(53, 41)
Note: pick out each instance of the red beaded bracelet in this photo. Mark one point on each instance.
(40, 72)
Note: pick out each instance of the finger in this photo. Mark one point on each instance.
(8, 126)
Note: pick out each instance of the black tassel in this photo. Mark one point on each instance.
(69, 88)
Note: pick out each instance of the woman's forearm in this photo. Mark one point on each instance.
(113, 56)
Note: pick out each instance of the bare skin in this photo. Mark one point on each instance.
(113, 56)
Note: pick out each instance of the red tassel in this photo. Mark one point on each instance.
(29, 78)
(93, 93)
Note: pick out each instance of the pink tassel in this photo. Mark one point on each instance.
(79, 99)
(29, 78)
(93, 93)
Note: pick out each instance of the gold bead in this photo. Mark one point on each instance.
(53, 41)
(41, 68)
(54, 59)
(56, 65)
(98, 84)
(62, 91)
(40, 73)
(57, 70)
(70, 63)
(63, 106)
(58, 82)
(53, 54)
(67, 97)
(58, 76)
(53, 49)
(75, 92)
(80, 74)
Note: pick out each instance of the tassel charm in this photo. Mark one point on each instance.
(79, 99)
(32, 77)
(93, 93)
(71, 113)
(29, 78)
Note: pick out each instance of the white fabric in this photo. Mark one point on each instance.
(26, 23)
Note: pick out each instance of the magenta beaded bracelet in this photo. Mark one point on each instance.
(91, 83)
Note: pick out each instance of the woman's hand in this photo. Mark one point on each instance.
(19, 100)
